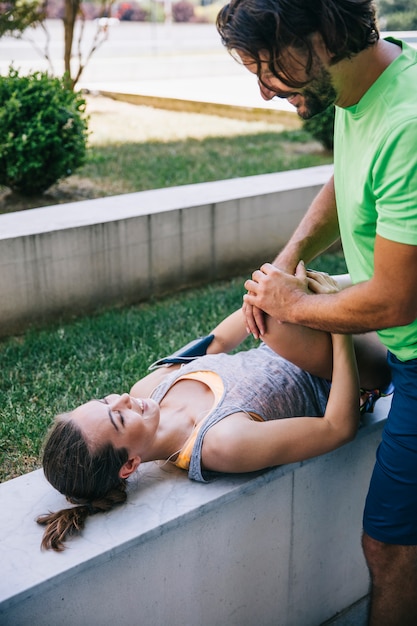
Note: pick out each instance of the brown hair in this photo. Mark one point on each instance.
(88, 478)
(273, 26)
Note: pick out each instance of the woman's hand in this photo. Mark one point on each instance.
(321, 282)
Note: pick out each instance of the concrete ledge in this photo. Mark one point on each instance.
(75, 258)
(276, 548)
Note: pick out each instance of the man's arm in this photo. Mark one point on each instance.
(318, 230)
(388, 299)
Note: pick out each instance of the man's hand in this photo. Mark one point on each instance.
(275, 292)
(254, 316)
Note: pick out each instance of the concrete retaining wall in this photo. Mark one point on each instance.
(280, 548)
(75, 258)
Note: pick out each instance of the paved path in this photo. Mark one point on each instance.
(185, 61)
(180, 61)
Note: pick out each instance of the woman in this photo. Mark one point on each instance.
(217, 413)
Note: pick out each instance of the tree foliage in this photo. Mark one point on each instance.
(397, 14)
(73, 12)
(321, 127)
(17, 15)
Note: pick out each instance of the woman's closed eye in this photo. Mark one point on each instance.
(110, 412)
(120, 416)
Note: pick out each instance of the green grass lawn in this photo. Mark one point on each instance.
(139, 166)
(119, 167)
(52, 370)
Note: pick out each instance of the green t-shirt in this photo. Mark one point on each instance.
(375, 169)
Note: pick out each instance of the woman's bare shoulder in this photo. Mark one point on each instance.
(146, 385)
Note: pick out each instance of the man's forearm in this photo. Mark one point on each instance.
(316, 232)
(355, 309)
(386, 300)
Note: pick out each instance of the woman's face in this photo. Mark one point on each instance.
(123, 421)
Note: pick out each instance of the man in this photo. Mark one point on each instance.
(318, 53)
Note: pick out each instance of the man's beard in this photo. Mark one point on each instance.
(318, 95)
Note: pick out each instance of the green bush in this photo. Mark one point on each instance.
(43, 131)
(321, 127)
(406, 20)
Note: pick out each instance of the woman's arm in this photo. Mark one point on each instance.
(237, 444)
(227, 335)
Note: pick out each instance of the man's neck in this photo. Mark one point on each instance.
(353, 77)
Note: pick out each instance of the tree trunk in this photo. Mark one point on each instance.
(71, 10)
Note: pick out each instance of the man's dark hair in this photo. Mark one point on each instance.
(271, 27)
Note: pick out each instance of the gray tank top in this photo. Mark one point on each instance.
(255, 381)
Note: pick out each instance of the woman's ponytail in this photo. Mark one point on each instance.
(88, 478)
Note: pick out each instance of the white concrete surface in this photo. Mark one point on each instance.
(280, 548)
